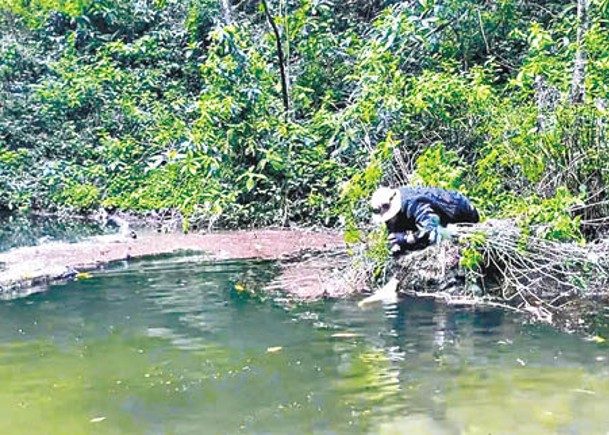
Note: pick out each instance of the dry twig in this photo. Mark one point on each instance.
(535, 273)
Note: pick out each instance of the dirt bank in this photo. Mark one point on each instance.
(31, 266)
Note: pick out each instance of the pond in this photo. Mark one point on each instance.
(181, 345)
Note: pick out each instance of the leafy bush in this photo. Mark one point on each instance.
(82, 197)
(552, 218)
(152, 104)
(440, 167)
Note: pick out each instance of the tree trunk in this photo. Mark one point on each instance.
(281, 59)
(578, 86)
(227, 13)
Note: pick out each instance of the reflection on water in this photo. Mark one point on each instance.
(18, 230)
(169, 346)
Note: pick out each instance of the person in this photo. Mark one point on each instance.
(416, 216)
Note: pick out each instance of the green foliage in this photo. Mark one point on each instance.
(552, 217)
(82, 197)
(377, 252)
(14, 192)
(148, 105)
(36, 12)
(200, 19)
(471, 257)
(353, 201)
(440, 167)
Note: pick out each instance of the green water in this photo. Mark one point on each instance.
(169, 346)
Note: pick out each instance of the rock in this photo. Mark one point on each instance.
(433, 269)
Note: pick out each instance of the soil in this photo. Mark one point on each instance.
(26, 267)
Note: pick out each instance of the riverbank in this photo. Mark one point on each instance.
(27, 267)
(562, 283)
(314, 265)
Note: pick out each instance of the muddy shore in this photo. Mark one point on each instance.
(27, 267)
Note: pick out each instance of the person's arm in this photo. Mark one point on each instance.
(427, 222)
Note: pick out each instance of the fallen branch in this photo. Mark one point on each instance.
(534, 272)
(522, 273)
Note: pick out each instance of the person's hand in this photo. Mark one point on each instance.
(396, 238)
(396, 241)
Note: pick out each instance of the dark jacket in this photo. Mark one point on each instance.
(423, 209)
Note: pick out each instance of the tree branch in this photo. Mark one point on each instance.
(578, 87)
(226, 12)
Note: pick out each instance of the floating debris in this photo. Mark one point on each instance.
(274, 349)
(386, 294)
(582, 391)
(345, 335)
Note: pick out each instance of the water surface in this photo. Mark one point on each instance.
(180, 345)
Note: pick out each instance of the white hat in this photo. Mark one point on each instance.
(385, 204)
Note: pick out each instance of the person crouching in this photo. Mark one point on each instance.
(415, 216)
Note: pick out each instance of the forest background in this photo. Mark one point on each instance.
(257, 113)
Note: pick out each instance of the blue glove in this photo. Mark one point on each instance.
(397, 238)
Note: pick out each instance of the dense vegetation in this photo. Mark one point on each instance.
(146, 105)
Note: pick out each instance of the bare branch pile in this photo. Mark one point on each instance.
(533, 273)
